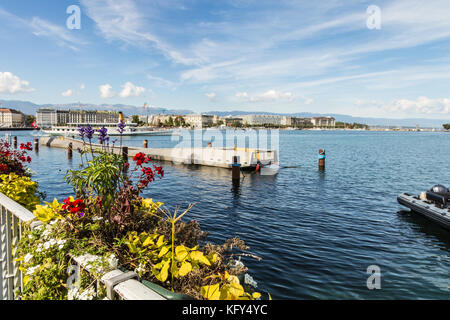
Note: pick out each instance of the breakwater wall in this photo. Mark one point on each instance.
(208, 156)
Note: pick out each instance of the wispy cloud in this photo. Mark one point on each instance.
(44, 28)
(125, 22)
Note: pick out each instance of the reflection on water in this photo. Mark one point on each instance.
(317, 231)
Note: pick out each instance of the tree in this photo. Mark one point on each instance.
(446, 126)
(135, 119)
(170, 122)
(29, 120)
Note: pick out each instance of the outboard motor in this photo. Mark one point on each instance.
(439, 189)
(439, 195)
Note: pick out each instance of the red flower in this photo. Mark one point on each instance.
(3, 167)
(73, 206)
(26, 146)
(159, 170)
(141, 158)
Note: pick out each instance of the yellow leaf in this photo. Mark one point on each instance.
(210, 292)
(163, 251)
(213, 257)
(185, 268)
(181, 253)
(256, 295)
(160, 241)
(233, 279)
(236, 289)
(198, 256)
(164, 272)
(147, 241)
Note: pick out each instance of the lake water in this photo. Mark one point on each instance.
(317, 232)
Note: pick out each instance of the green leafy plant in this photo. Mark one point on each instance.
(21, 189)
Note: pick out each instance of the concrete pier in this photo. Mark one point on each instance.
(209, 156)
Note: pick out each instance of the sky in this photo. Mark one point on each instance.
(363, 58)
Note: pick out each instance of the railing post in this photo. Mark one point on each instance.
(9, 260)
(15, 272)
(3, 257)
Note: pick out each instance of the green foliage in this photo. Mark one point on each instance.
(20, 189)
(446, 126)
(50, 211)
(102, 176)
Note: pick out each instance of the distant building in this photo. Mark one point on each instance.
(199, 120)
(229, 121)
(328, 122)
(11, 118)
(261, 119)
(296, 121)
(47, 117)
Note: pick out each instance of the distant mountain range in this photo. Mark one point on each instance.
(31, 108)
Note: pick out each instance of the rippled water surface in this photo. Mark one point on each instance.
(317, 232)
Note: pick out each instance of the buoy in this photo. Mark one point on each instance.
(321, 159)
(236, 170)
(69, 150)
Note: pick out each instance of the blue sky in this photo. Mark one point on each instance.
(254, 55)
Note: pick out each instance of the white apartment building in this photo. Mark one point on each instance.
(11, 118)
(199, 120)
(329, 122)
(261, 119)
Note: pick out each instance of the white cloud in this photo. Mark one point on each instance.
(422, 105)
(309, 100)
(10, 83)
(269, 95)
(67, 93)
(130, 90)
(242, 96)
(105, 91)
(211, 96)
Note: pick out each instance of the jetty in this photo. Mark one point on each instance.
(221, 157)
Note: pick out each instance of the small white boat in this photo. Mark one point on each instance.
(269, 170)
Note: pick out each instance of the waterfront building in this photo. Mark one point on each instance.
(199, 120)
(230, 121)
(11, 118)
(296, 121)
(47, 117)
(261, 119)
(159, 119)
(328, 122)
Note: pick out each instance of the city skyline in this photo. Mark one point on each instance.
(238, 54)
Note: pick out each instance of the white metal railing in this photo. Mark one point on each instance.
(13, 215)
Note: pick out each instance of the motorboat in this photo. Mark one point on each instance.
(433, 204)
(270, 169)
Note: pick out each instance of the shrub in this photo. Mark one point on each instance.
(109, 218)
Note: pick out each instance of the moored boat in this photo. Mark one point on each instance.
(433, 204)
(112, 131)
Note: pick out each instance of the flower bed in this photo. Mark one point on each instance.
(109, 221)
